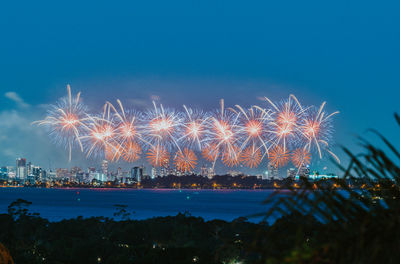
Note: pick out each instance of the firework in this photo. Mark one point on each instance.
(185, 160)
(158, 156)
(65, 121)
(223, 135)
(128, 133)
(193, 129)
(254, 130)
(131, 151)
(279, 156)
(100, 137)
(210, 153)
(251, 157)
(287, 118)
(233, 136)
(231, 158)
(316, 128)
(300, 157)
(161, 127)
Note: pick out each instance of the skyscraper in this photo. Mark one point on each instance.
(304, 171)
(272, 171)
(210, 173)
(104, 167)
(291, 173)
(137, 173)
(203, 171)
(21, 172)
(153, 172)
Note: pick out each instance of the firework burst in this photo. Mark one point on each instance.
(161, 127)
(251, 157)
(65, 121)
(279, 156)
(100, 137)
(158, 156)
(287, 118)
(316, 128)
(131, 151)
(300, 157)
(223, 135)
(193, 129)
(185, 160)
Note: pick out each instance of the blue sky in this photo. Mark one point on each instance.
(194, 53)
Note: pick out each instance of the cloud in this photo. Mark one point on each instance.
(17, 99)
(19, 138)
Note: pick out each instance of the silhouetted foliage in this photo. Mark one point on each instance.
(357, 225)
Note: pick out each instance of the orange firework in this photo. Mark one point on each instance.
(301, 157)
(279, 156)
(185, 160)
(157, 156)
(251, 157)
(112, 153)
(210, 153)
(311, 129)
(131, 151)
(231, 158)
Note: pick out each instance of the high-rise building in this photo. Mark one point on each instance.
(119, 172)
(104, 167)
(21, 172)
(3, 173)
(210, 173)
(273, 172)
(153, 172)
(165, 168)
(29, 166)
(304, 171)
(137, 173)
(291, 173)
(203, 170)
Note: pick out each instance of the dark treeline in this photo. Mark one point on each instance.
(175, 239)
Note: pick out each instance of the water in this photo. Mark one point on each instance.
(57, 204)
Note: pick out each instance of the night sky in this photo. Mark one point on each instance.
(194, 53)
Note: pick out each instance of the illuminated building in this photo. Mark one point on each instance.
(203, 171)
(272, 171)
(104, 167)
(317, 176)
(304, 171)
(137, 173)
(21, 172)
(291, 173)
(153, 172)
(234, 173)
(210, 173)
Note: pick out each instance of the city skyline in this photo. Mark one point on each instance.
(103, 172)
